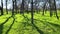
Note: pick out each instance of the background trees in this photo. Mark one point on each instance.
(27, 5)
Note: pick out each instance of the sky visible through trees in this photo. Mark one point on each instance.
(10, 3)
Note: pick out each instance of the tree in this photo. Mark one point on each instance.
(51, 8)
(32, 11)
(22, 8)
(26, 5)
(44, 7)
(16, 5)
(36, 2)
(2, 7)
(13, 7)
(55, 9)
(6, 7)
(52, 4)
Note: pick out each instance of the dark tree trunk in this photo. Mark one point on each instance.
(27, 9)
(32, 12)
(22, 7)
(44, 8)
(16, 6)
(2, 7)
(13, 9)
(50, 8)
(6, 7)
(56, 9)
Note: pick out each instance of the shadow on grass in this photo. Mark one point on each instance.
(56, 25)
(10, 26)
(49, 24)
(3, 15)
(40, 31)
(27, 21)
(0, 15)
(1, 25)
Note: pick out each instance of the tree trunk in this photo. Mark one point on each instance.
(50, 8)
(6, 7)
(2, 7)
(13, 8)
(32, 12)
(44, 8)
(16, 6)
(22, 7)
(56, 9)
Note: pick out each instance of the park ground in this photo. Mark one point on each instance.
(19, 24)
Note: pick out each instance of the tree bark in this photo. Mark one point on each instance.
(13, 8)
(22, 7)
(32, 12)
(56, 9)
(16, 6)
(44, 8)
(2, 7)
(50, 8)
(6, 7)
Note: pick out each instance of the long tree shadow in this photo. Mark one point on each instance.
(3, 15)
(56, 25)
(49, 24)
(1, 26)
(40, 31)
(0, 15)
(10, 26)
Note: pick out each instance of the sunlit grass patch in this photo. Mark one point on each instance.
(21, 24)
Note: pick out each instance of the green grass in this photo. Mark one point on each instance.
(19, 24)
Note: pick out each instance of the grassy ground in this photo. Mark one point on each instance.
(19, 24)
